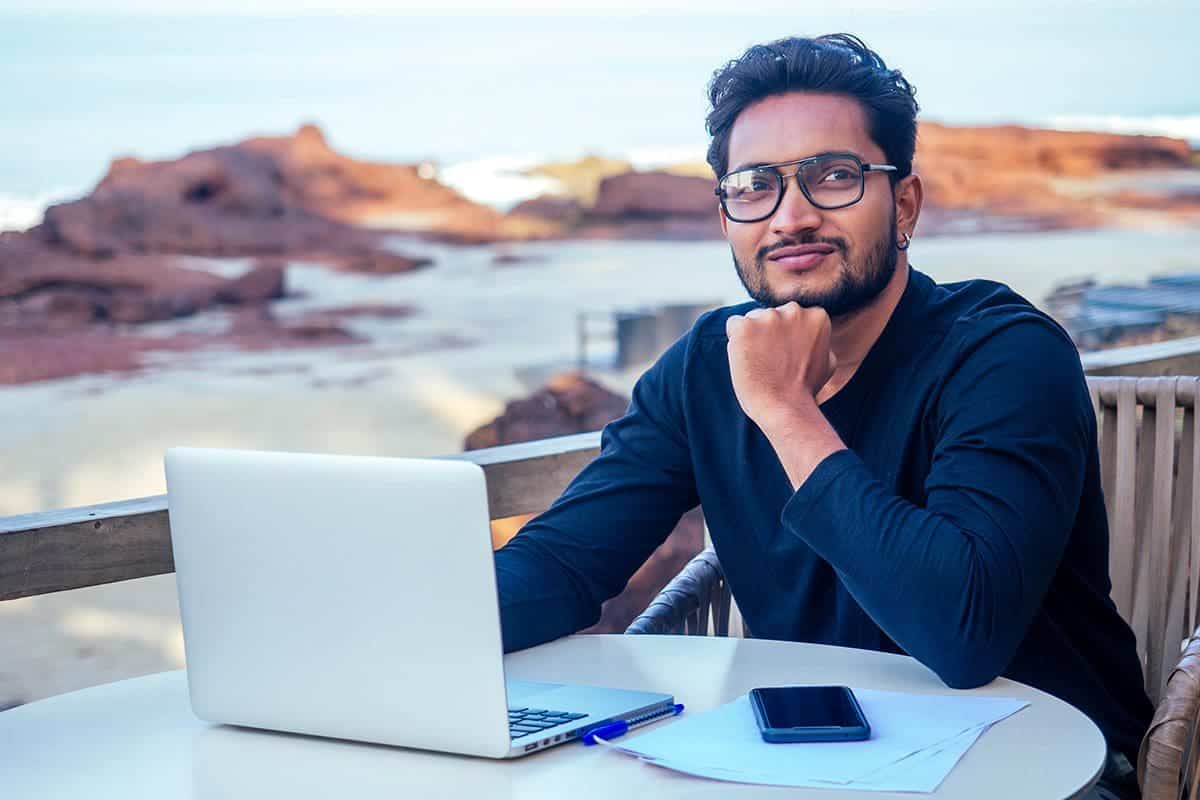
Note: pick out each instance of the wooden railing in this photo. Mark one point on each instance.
(72, 548)
(77, 547)
(1172, 357)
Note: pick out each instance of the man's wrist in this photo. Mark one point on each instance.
(802, 439)
(791, 420)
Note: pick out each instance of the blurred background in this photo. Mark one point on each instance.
(395, 229)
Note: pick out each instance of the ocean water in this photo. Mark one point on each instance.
(485, 95)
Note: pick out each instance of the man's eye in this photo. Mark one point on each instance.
(837, 174)
(750, 187)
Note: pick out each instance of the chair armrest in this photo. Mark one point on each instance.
(683, 604)
(1168, 754)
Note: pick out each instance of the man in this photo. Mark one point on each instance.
(883, 462)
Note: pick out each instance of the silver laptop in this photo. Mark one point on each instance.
(355, 598)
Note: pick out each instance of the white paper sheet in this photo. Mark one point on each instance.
(924, 770)
(915, 741)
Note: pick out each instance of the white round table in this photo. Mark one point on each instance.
(138, 738)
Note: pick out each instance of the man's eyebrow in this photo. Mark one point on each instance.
(757, 164)
(754, 165)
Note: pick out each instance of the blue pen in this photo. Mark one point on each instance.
(611, 730)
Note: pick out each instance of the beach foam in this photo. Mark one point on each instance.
(648, 158)
(498, 181)
(21, 212)
(1182, 126)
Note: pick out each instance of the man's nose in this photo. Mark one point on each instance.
(795, 212)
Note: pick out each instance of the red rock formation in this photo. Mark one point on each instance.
(110, 257)
(73, 347)
(273, 184)
(571, 403)
(263, 282)
(1011, 148)
(43, 287)
(1009, 171)
(314, 177)
(995, 178)
(654, 195)
(270, 196)
(552, 207)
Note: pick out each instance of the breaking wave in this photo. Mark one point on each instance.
(1184, 126)
(21, 212)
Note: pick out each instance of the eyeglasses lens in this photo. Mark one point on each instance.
(753, 194)
(833, 182)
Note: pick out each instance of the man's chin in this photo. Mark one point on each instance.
(805, 293)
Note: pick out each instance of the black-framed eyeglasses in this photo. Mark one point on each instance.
(828, 180)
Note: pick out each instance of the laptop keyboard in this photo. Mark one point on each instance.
(527, 721)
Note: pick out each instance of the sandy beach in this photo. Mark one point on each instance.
(482, 334)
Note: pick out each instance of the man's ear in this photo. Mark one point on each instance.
(724, 221)
(909, 194)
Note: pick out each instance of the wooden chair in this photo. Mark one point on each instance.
(1150, 470)
(1167, 761)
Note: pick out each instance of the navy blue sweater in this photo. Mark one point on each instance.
(964, 526)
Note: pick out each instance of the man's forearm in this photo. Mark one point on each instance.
(922, 578)
(538, 600)
(949, 596)
(802, 439)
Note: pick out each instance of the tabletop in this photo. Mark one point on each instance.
(139, 739)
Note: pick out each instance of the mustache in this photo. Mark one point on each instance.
(832, 241)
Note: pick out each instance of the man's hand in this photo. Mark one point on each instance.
(779, 358)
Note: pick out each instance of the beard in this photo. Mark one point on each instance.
(855, 284)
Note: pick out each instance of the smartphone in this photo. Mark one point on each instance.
(809, 714)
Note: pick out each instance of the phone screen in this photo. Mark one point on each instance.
(808, 707)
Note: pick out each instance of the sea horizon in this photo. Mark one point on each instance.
(484, 96)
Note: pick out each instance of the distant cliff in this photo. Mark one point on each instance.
(976, 179)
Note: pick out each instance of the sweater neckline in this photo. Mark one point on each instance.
(916, 291)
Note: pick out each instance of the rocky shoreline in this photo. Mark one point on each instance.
(76, 290)
(977, 180)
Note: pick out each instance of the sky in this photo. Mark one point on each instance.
(616, 7)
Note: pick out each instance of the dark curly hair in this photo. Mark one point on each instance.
(837, 63)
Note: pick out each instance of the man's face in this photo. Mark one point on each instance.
(861, 238)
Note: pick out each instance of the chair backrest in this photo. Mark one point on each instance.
(1150, 469)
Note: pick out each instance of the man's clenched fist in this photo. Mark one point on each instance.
(779, 358)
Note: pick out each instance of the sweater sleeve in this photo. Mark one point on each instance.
(956, 583)
(554, 574)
